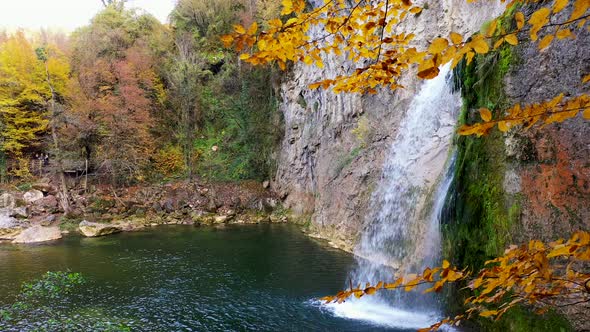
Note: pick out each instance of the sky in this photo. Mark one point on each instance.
(67, 15)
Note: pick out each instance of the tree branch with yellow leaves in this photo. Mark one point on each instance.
(537, 274)
(367, 34)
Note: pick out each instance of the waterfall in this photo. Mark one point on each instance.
(403, 232)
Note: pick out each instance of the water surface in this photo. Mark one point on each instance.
(253, 277)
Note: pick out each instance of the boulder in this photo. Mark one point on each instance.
(266, 184)
(38, 234)
(44, 187)
(49, 202)
(9, 234)
(7, 201)
(93, 229)
(48, 220)
(19, 212)
(222, 219)
(33, 196)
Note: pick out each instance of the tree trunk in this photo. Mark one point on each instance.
(63, 197)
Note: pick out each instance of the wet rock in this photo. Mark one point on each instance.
(38, 234)
(92, 229)
(221, 219)
(33, 195)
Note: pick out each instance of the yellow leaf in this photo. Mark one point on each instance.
(415, 10)
(480, 46)
(253, 28)
(580, 8)
(485, 114)
(512, 39)
(456, 38)
(244, 56)
(438, 45)
(446, 264)
(586, 114)
(287, 7)
(394, 284)
(540, 16)
(412, 284)
(504, 126)
(327, 299)
(537, 21)
(545, 42)
(291, 21)
(488, 313)
(370, 290)
(492, 28)
(429, 73)
(559, 5)
(562, 250)
(564, 33)
(239, 29)
(227, 40)
(470, 56)
(498, 43)
(519, 17)
(586, 79)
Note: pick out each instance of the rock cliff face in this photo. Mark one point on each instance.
(334, 145)
(550, 167)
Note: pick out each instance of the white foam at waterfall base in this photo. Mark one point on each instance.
(377, 312)
(395, 234)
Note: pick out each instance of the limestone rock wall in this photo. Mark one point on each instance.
(334, 145)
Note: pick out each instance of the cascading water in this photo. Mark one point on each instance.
(403, 233)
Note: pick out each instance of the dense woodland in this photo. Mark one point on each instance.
(127, 99)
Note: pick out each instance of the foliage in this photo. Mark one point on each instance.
(115, 93)
(23, 95)
(51, 286)
(169, 161)
(365, 33)
(44, 301)
(538, 274)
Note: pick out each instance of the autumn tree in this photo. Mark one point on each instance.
(23, 99)
(56, 74)
(115, 92)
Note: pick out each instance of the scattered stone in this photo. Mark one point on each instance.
(19, 212)
(93, 229)
(44, 187)
(38, 234)
(49, 202)
(50, 219)
(221, 219)
(33, 195)
(266, 184)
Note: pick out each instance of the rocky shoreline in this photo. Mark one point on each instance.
(34, 216)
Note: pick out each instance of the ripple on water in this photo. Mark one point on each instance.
(183, 279)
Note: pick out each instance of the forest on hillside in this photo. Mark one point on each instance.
(128, 99)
